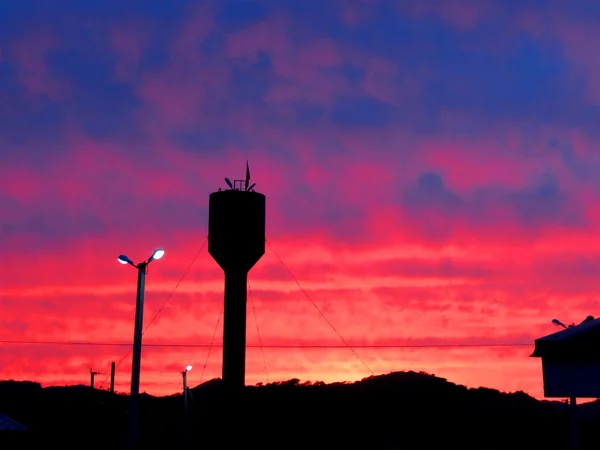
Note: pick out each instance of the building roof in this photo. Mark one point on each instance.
(8, 424)
(574, 342)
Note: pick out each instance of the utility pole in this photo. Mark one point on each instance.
(137, 343)
(92, 376)
(572, 405)
(137, 357)
(112, 377)
(185, 403)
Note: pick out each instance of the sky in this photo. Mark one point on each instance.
(430, 168)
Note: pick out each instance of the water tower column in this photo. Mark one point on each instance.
(234, 329)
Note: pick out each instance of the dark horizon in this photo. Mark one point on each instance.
(392, 411)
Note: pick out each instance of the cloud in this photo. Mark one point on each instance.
(532, 209)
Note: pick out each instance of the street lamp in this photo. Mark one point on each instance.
(185, 401)
(137, 340)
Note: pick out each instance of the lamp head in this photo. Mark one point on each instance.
(188, 368)
(123, 259)
(158, 253)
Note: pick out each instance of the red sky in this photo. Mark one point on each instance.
(431, 177)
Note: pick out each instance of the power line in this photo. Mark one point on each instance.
(262, 349)
(175, 288)
(210, 347)
(318, 309)
(280, 346)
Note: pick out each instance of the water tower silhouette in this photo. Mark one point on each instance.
(236, 241)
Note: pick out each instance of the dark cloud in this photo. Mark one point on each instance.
(530, 83)
(467, 80)
(389, 34)
(437, 208)
(542, 204)
(430, 193)
(100, 106)
(215, 139)
(311, 210)
(52, 224)
(26, 118)
(213, 45)
(250, 81)
(233, 15)
(30, 127)
(16, 13)
(347, 71)
(350, 112)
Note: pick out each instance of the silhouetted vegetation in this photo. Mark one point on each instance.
(401, 410)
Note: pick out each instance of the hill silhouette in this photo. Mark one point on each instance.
(400, 410)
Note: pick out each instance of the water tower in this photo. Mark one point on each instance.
(236, 241)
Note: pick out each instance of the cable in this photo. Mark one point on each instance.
(257, 331)
(211, 343)
(175, 288)
(281, 346)
(116, 365)
(317, 308)
(161, 308)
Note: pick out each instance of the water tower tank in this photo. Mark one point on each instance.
(236, 228)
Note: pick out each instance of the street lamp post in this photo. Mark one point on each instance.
(185, 402)
(137, 341)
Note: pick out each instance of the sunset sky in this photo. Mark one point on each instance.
(431, 170)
